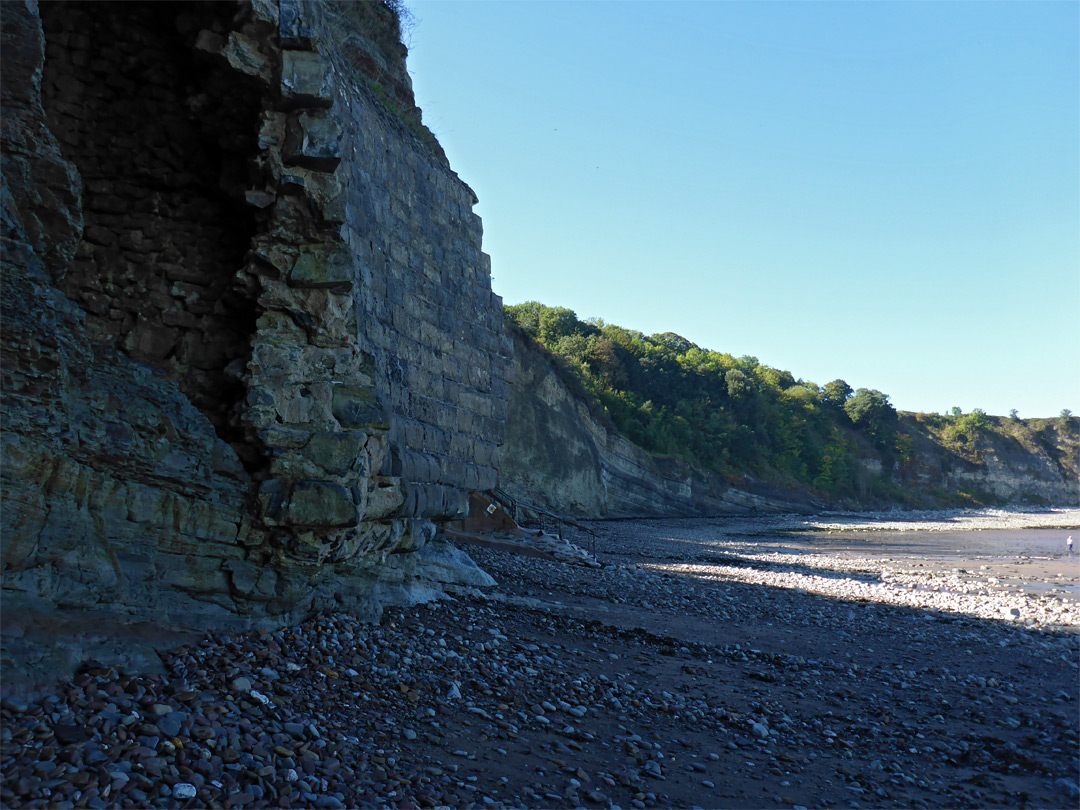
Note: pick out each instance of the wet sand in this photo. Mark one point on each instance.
(1035, 560)
(1007, 551)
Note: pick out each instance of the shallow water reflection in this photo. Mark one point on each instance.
(1035, 560)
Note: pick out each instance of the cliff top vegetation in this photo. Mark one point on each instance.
(736, 416)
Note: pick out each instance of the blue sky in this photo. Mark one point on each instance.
(886, 192)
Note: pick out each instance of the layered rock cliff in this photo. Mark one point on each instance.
(251, 356)
(561, 456)
(1011, 461)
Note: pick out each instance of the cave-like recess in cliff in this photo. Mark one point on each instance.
(163, 137)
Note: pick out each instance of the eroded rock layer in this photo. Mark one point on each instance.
(251, 355)
(561, 457)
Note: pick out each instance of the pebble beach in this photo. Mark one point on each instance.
(722, 663)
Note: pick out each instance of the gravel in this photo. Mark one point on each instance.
(683, 672)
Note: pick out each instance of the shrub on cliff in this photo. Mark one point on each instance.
(725, 414)
(871, 410)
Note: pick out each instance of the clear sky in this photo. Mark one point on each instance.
(886, 192)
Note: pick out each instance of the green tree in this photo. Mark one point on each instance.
(836, 393)
(738, 384)
(555, 323)
(672, 343)
(871, 411)
(977, 420)
(1066, 422)
(602, 359)
(526, 316)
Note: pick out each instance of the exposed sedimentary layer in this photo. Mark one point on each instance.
(219, 403)
(558, 456)
(562, 457)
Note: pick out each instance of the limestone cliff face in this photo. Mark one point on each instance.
(563, 458)
(1033, 462)
(558, 456)
(251, 356)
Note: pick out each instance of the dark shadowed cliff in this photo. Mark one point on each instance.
(251, 356)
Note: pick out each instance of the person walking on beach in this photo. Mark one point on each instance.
(1068, 542)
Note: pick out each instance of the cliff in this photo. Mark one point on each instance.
(1002, 461)
(568, 458)
(251, 356)
(562, 457)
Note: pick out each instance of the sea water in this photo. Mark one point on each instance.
(1035, 559)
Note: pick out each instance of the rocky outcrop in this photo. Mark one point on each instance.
(251, 356)
(562, 457)
(1032, 462)
(559, 456)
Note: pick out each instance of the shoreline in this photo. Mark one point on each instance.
(691, 669)
(1063, 518)
(878, 565)
(1049, 517)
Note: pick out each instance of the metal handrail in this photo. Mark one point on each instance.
(515, 505)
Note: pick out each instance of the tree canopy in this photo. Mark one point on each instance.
(731, 415)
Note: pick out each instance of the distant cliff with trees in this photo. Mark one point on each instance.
(740, 421)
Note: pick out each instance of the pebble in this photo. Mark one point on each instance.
(183, 790)
(1068, 787)
(483, 680)
(241, 684)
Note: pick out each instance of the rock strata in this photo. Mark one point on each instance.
(220, 405)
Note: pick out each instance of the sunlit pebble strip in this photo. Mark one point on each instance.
(949, 521)
(945, 591)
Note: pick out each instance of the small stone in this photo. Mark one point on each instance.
(1068, 787)
(70, 734)
(171, 725)
(184, 790)
(14, 704)
(241, 685)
